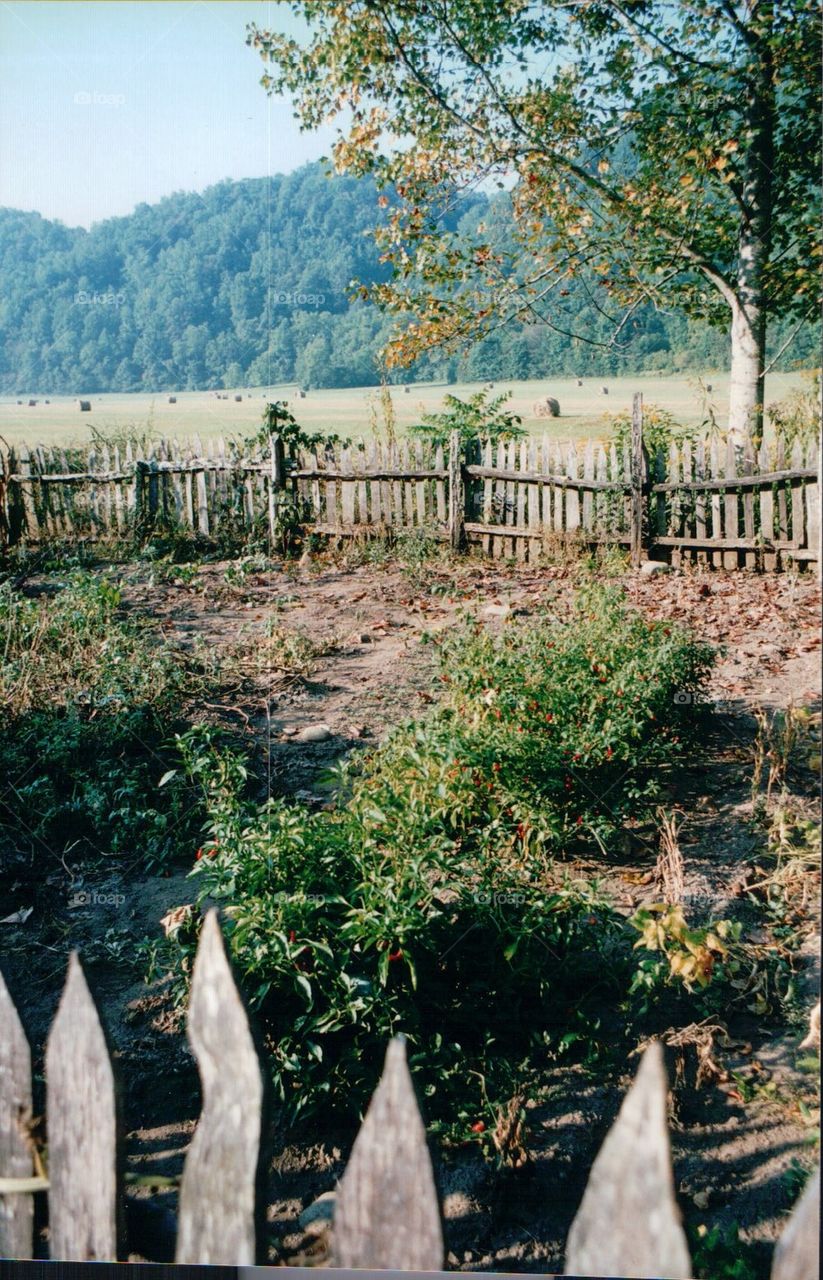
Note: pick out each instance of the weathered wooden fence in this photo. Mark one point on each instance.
(387, 1212)
(704, 501)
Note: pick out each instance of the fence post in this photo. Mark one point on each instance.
(30, 522)
(387, 1212)
(218, 1192)
(796, 1256)
(628, 1223)
(139, 492)
(277, 455)
(16, 1207)
(456, 492)
(81, 1130)
(637, 479)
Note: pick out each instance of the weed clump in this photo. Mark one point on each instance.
(434, 897)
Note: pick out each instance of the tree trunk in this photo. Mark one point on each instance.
(749, 311)
(748, 359)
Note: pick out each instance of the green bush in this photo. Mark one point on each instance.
(432, 900)
(90, 699)
(477, 418)
(660, 430)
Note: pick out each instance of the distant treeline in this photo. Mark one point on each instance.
(249, 284)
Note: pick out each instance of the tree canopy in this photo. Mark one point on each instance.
(668, 153)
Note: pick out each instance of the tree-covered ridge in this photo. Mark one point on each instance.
(249, 284)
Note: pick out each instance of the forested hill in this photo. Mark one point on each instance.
(248, 284)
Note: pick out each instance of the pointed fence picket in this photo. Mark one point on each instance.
(703, 501)
(387, 1210)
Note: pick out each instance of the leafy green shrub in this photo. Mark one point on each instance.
(718, 1253)
(430, 899)
(477, 418)
(89, 699)
(660, 430)
(797, 416)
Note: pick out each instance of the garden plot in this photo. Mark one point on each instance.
(306, 664)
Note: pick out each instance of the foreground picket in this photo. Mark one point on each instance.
(387, 1212)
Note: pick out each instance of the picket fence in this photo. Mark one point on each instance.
(387, 1212)
(703, 501)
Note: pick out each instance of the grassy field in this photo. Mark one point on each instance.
(585, 410)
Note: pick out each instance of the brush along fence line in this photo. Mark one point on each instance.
(386, 1212)
(703, 501)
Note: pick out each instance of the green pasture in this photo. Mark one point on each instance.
(585, 410)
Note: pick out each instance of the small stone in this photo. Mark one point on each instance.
(314, 733)
(651, 568)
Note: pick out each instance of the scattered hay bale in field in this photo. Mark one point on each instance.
(604, 390)
(19, 401)
(237, 399)
(32, 403)
(406, 390)
(708, 386)
(172, 399)
(301, 395)
(85, 406)
(580, 382)
(548, 408)
(47, 401)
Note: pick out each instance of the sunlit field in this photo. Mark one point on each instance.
(585, 411)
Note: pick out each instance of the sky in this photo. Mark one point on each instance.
(114, 103)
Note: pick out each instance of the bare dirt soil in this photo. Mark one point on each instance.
(734, 1140)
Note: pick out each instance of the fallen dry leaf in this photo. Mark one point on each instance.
(174, 919)
(18, 917)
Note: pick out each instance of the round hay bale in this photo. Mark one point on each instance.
(708, 386)
(604, 390)
(32, 403)
(547, 408)
(85, 406)
(237, 399)
(172, 399)
(580, 382)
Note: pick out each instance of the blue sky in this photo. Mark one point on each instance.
(109, 104)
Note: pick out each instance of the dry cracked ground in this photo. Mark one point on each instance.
(361, 665)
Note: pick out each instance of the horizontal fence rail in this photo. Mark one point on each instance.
(702, 500)
(387, 1211)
